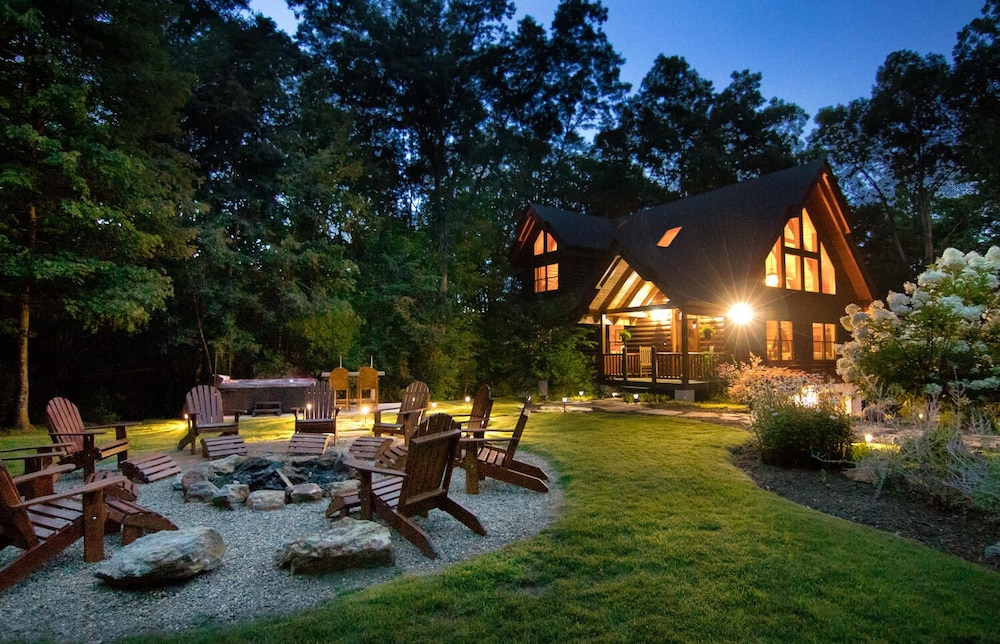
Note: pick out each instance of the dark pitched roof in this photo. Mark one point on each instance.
(574, 229)
(725, 234)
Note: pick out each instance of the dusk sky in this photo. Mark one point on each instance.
(814, 54)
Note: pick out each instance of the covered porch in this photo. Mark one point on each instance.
(649, 343)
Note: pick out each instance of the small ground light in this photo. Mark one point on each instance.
(635, 397)
(564, 403)
(364, 415)
(868, 438)
(467, 399)
(581, 393)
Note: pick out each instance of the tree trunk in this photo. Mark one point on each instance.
(21, 420)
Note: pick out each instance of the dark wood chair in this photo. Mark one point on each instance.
(66, 429)
(479, 416)
(495, 458)
(340, 385)
(422, 486)
(319, 415)
(203, 410)
(46, 525)
(367, 388)
(411, 409)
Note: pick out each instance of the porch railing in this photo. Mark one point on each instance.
(661, 366)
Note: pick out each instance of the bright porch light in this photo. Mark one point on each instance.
(741, 313)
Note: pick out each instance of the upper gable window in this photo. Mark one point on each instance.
(798, 261)
(545, 243)
(547, 278)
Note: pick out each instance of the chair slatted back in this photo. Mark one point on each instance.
(15, 525)
(206, 401)
(482, 407)
(435, 424)
(416, 397)
(320, 403)
(368, 386)
(64, 417)
(340, 385)
(429, 463)
(515, 437)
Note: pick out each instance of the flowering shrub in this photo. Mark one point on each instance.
(757, 385)
(940, 336)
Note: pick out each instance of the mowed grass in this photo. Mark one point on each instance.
(662, 539)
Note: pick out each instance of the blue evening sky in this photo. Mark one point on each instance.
(814, 53)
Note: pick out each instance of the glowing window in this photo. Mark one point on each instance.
(810, 240)
(829, 285)
(547, 278)
(545, 243)
(793, 276)
(668, 237)
(824, 338)
(810, 274)
(779, 339)
(793, 236)
(771, 276)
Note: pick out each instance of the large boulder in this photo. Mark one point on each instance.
(348, 543)
(304, 493)
(202, 491)
(266, 500)
(163, 557)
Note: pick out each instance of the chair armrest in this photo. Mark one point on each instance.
(53, 448)
(83, 489)
(295, 412)
(368, 467)
(52, 470)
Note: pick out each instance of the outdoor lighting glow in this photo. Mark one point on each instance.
(467, 399)
(659, 315)
(434, 405)
(364, 410)
(741, 313)
(309, 406)
(771, 280)
(581, 393)
(868, 438)
(635, 397)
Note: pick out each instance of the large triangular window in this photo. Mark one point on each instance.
(798, 261)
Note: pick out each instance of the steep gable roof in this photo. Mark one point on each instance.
(574, 229)
(724, 236)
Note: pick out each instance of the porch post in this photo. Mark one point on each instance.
(624, 363)
(684, 349)
(652, 367)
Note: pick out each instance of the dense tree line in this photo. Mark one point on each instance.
(185, 190)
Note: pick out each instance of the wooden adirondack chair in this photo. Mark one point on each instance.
(340, 385)
(203, 409)
(420, 487)
(411, 409)
(367, 387)
(45, 526)
(495, 458)
(35, 459)
(66, 429)
(479, 416)
(319, 415)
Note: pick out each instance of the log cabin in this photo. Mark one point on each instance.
(764, 267)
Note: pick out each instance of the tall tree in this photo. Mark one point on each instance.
(90, 185)
(897, 151)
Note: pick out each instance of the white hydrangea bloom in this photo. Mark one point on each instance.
(993, 257)
(931, 277)
(952, 258)
(898, 303)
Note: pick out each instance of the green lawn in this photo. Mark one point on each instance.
(661, 538)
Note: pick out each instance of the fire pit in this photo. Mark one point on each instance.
(273, 473)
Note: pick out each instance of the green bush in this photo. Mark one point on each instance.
(791, 434)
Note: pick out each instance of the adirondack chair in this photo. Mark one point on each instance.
(479, 416)
(419, 488)
(36, 458)
(203, 409)
(494, 457)
(66, 428)
(411, 409)
(340, 385)
(367, 387)
(45, 526)
(319, 415)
